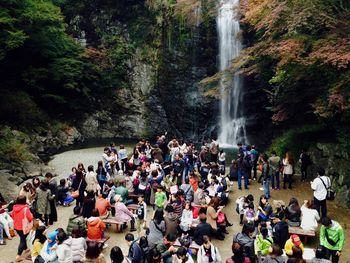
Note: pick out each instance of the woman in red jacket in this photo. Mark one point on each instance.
(19, 211)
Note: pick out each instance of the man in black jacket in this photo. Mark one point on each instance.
(279, 230)
(135, 252)
(202, 229)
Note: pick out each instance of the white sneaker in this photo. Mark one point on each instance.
(262, 189)
(105, 245)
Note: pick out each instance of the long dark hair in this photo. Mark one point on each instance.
(39, 234)
(116, 255)
(93, 250)
(158, 216)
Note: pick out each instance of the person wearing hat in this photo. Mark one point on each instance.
(320, 185)
(293, 241)
(122, 213)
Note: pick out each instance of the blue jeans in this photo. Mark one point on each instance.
(266, 186)
(275, 177)
(168, 259)
(188, 168)
(239, 179)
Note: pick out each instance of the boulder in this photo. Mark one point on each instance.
(32, 169)
(9, 189)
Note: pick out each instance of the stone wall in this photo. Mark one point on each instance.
(335, 159)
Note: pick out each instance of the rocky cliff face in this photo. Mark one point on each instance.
(335, 159)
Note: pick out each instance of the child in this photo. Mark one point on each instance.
(250, 213)
(160, 198)
(186, 218)
(62, 191)
(141, 214)
(183, 256)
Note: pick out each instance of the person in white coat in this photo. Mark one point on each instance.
(78, 245)
(64, 248)
(309, 216)
(186, 218)
(208, 253)
(91, 180)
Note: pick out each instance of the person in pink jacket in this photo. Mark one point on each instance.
(122, 213)
(21, 210)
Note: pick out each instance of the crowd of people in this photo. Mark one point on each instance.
(173, 197)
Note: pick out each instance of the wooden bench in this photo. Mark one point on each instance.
(118, 225)
(194, 246)
(302, 232)
(133, 196)
(101, 241)
(133, 208)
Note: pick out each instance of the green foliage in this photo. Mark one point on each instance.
(298, 138)
(12, 146)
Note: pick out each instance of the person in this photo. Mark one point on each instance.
(246, 241)
(214, 150)
(202, 229)
(305, 161)
(156, 228)
(79, 185)
(29, 192)
(78, 245)
(237, 256)
(160, 198)
(88, 204)
(135, 254)
(264, 209)
(123, 192)
(48, 252)
(52, 186)
(242, 166)
(166, 247)
(117, 256)
(288, 170)
(275, 255)
(76, 221)
(254, 154)
(222, 161)
(101, 175)
(176, 201)
(275, 163)
(266, 176)
(122, 213)
(63, 197)
(91, 181)
(297, 256)
(19, 211)
(208, 252)
(263, 242)
(123, 157)
(38, 243)
(171, 220)
(6, 221)
(293, 241)
(178, 167)
(183, 256)
(43, 202)
(95, 226)
(94, 253)
(320, 185)
(293, 213)
(309, 216)
(332, 238)
(280, 231)
(141, 213)
(242, 204)
(320, 256)
(107, 159)
(187, 189)
(155, 256)
(213, 211)
(186, 218)
(64, 248)
(103, 206)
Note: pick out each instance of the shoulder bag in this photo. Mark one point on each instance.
(330, 193)
(26, 225)
(75, 194)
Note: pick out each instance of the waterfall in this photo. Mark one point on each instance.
(232, 122)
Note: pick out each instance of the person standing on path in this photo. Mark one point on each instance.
(288, 170)
(332, 238)
(19, 212)
(275, 163)
(320, 185)
(304, 161)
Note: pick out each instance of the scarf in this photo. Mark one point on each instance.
(52, 237)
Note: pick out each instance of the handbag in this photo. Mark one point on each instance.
(75, 194)
(221, 218)
(26, 225)
(330, 193)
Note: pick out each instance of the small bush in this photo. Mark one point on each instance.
(12, 147)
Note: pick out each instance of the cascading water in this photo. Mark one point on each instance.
(232, 121)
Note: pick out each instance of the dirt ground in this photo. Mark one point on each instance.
(300, 191)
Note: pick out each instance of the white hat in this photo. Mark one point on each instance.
(118, 198)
